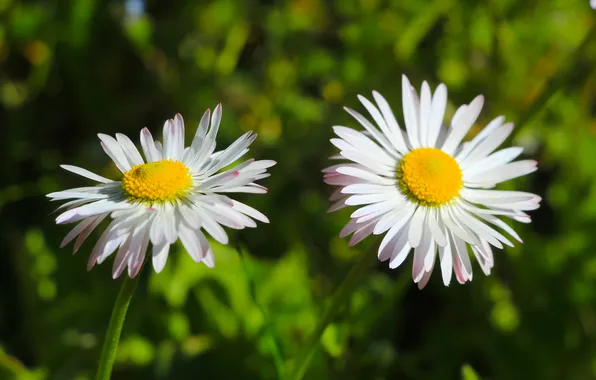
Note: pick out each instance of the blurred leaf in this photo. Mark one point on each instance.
(468, 373)
(334, 339)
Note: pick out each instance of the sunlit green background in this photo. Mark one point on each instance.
(72, 69)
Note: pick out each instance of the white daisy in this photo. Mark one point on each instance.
(175, 193)
(426, 190)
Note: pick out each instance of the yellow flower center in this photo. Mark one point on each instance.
(429, 176)
(159, 181)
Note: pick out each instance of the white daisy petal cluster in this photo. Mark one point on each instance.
(176, 192)
(424, 188)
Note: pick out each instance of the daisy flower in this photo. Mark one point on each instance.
(425, 189)
(174, 193)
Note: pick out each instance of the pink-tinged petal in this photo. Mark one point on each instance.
(87, 231)
(208, 258)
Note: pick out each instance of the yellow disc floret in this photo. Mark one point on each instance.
(159, 181)
(429, 176)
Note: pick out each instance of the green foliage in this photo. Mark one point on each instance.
(70, 70)
(468, 373)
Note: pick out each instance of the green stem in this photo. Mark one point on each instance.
(110, 344)
(558, 79)
(343, 292)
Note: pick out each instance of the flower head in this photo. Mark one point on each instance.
(176, 192)
(425, 189)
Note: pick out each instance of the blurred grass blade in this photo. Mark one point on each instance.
(340, 297)
(557, 80)
(468, 373)
(272, 338)
(12, 369)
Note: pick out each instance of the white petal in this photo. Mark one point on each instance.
(424, 113)
(138, 250)
(160, 255)
(439, 104)
(369, 162)
(504, 173)
(445, 256)
(501, 224)
(148, 145)
(492, 126)
(374, 208)
(173, 135)
(130, 150)
(462, 125)
(381, 139)
(70, 194)
(85, 173)
(420, 254)
(410, 112)
(402, 224)
(488, 145)
(368, 188)
(90, 209)
(189, 216)
(169, 223)
(435, 229)
(213, 228)
(250, 211)
(417, 226)
(157, 232)
(396, 141)
(397, 137)
(401, 250)
(481, 229)
(356, 200)
(365, 175)
(447, 217)
(496, 159)
(389, 220)
(114, 151)
(361, 142)
(190, 240)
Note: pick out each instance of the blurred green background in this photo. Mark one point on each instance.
(72, 69)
